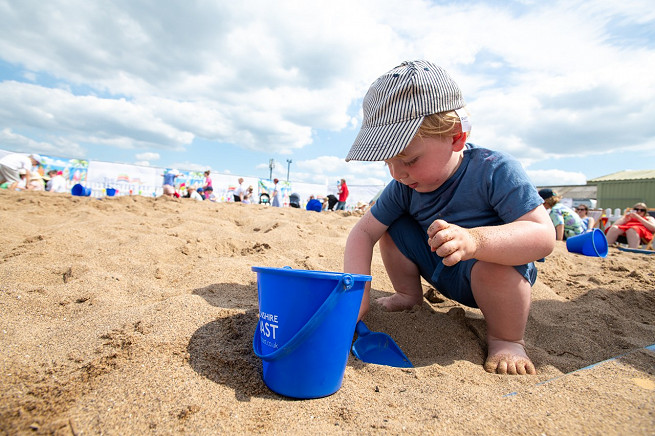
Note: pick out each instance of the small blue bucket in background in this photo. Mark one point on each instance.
(80, 191)
(306, 325)
(592, 243)
(111, 192)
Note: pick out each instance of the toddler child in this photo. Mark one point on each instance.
(466, 219)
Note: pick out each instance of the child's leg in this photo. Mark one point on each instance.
(503, 296)
(404, 276)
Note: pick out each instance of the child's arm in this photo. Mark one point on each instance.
(359, 252)
(559, 232)
(527, 239)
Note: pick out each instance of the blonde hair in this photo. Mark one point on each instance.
(441, 124)
(552, 201)
(641, 206)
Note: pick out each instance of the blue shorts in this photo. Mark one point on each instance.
(453, 281)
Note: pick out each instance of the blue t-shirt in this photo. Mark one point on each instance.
(314, 205)
(169, 179)
(489, 188)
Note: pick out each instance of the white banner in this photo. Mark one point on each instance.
(126, 179)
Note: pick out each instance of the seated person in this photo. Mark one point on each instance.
(194, 194)
(247, 197)
(330, 201)
(637, 226)
(21, 185)
(209, 193)
(567, 223)
(36, 182)
(294, 200)
(314, 204)
(587, 221)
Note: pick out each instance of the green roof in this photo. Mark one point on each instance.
(626, 175)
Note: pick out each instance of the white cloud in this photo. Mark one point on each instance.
(551, 80)
(556, 178)
(91, 119)
(15, 141)
(147, 156)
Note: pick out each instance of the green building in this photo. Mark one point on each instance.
(625, 188)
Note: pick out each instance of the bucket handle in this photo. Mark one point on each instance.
(345, 283)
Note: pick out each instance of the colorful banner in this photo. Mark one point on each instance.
(129, 179)
(266, 188)
(74, 170)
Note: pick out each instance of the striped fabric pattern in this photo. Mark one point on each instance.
(396, 104)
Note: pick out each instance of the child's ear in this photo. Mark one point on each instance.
(459, 141)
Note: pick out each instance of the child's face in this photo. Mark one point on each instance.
(426, 163)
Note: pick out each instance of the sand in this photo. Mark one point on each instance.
(133, 315)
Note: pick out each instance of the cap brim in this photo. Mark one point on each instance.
(376, 143)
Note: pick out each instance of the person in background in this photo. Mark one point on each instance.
(588, 222)
(637, 226)
(169, 178)
(275, 195)
(329, 202)
(51, 175)
(343, 195)
(314, 204)
(21, 185)
(209, 193)
(169, 191)
(193, 193)
(12, 163)
(294, 200)
(567, 223)
(57, 182)
(247, 197)
(36, 182)
(240, 191)
(208, 180)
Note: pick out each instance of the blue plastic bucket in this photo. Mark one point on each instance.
(80, 190)
(111, 192)
(306, 325)
(592, 243)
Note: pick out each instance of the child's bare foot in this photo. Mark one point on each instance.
(507, 357)
(398, 302)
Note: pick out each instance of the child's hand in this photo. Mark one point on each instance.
(451, 242)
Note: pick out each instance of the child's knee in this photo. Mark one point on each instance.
(490, 268)
(488, 273)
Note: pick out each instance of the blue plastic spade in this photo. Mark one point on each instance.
(378, 348)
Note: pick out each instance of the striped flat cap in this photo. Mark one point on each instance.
(396, 104)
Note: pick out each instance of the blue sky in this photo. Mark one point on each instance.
(566, 87)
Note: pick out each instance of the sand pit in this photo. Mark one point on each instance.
(132, 315)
